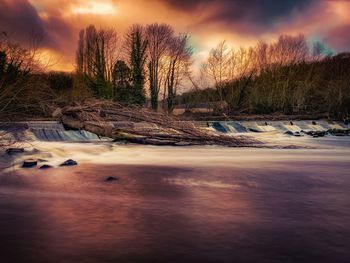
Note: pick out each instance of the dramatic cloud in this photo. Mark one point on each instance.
(240, 22)
(21, 20)
(339, 38)
(256, 13)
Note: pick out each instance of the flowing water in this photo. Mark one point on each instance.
(178, 204)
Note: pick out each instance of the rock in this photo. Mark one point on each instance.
(111, 178)
(339, 132)
(289, 133)
(45, 166)
(313, 123)
(69, 162)
(14, 150)
(315, 134)
(297, 134)
(291, 123)
(29, 163)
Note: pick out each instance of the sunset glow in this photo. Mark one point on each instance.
(98, 8)
(208, 22)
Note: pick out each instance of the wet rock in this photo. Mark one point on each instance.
(289, 133)
(253, 130)
(14, 150)
(315, 134)
(45, 166)
(339, 132)
(313, 123)
(29, 163)
(69, 162)
(111, 178)
(297, 134)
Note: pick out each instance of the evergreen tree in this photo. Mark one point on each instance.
(122, 89)
(136, 46)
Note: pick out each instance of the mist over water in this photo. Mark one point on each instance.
(186, 204)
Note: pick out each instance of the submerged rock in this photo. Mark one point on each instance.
(297, 134)
(29, 163)
(111, 178)
(69, 162)
(339, 132)
(14, 150)
(45, 166)
(315, 134)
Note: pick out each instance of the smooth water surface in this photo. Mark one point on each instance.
(186, 205)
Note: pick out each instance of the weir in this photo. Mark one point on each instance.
(55, 132)
(46, 131)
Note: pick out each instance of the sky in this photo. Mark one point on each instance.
(239, 22)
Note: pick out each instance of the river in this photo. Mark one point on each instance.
(178, 204)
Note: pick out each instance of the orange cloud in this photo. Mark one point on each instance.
(207, 21)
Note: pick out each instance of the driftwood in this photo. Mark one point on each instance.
(140, 125)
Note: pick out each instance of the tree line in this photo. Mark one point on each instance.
(118, 69)
(152, 63)
(284, 76)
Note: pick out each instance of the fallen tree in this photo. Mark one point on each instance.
(140, 125)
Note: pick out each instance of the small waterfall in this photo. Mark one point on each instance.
(279, 126)
(218, 127)
(237, 126)
(53, 131)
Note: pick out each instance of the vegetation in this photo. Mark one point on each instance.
(283, 76)
(151, 61)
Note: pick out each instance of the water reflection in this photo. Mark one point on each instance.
(282, 211)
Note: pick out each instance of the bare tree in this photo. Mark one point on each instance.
(179, 59)
(158, 38)
(96, 56)
(217, 66)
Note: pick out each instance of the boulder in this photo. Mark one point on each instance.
(297, 134)
(69, 162)
(29, 163)
(45, 166)
(315, 134)
(339, 132)
(111, 178)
